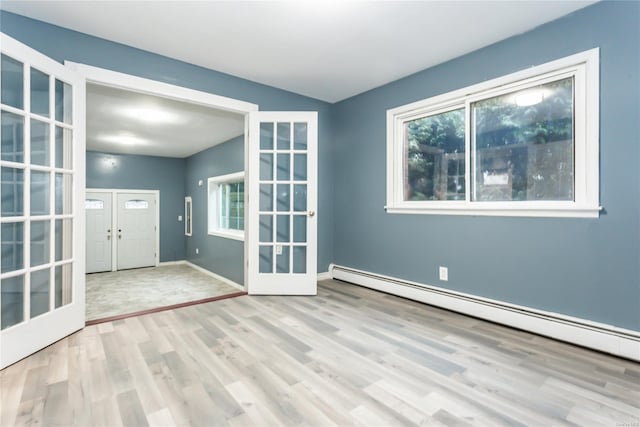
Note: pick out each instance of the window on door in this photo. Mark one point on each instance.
(226, 206)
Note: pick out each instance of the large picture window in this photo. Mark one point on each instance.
(226, 206)
(525, 144)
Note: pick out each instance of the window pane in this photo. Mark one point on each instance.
(433, 145)
(300, 228)
(12, 132)
(266, 228)
(12, 82)
(39, 143)
(300, 197)
(282, 260)
(63, 239)
(63, 287)
(12, 234)
(40, 242)
(40, 193)
(266, 259)
(39, 93)
(266, 136)
(299, 259)
(266, 197)
(266, 167)
(300, 167)
(12, 298)
(40, 292)
(63, 148)
(283, 197)
(282, 228)
(12, 191)
(284, 136)
(236, 206)
(524, 144)
(63, 194)
(299, 136)
(63, 102)
(284, 167)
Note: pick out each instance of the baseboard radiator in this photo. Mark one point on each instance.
(598, 336)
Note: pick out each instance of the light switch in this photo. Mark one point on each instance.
(179, 218)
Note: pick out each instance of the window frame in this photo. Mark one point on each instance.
(584, 67)
(188, 216)
(213, 205)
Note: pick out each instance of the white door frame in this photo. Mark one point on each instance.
(114, 217)
(128, 82)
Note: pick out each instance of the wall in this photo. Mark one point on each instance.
(125, 171)
(588, 268)
(62, 44)
(222, 256)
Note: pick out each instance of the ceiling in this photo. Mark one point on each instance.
(120, 121)
(325, 49)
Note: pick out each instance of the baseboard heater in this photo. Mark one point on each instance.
(598, 336)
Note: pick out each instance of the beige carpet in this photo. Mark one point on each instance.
(127, 291)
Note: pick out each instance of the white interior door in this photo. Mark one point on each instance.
(136, 233)
(42, 212)
(99, 233)
(282, 230)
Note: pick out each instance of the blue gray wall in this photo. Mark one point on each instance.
(217, 254)
(589, 268)
(62, 44)
(125, 171)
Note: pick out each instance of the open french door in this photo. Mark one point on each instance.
(42, 172)
(282, 232)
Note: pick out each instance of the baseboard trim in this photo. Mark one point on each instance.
(163, 263)
(214, 275)
(325, 275)
(598, 336)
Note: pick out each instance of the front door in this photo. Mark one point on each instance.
(42, 174)
(99, 232)
(136, 230)
(282, 203)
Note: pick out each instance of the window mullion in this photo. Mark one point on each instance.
(469, 158)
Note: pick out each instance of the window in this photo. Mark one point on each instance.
(522, 145)
(188, 204)
(226, 206)
(136, 204)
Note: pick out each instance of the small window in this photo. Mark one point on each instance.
(187, 215)
(136, 204)
(93, 204)
(226, 206)
(524, 145)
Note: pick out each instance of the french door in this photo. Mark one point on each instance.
(282, 177)
(42, 179)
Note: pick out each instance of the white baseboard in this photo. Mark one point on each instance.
(598, 336)
(325, 275)
(163, 263)
(209, 273)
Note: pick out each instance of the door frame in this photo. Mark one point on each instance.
(114, 79)
(114, 216)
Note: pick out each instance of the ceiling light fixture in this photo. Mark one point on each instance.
(151, 115)
(123, 139)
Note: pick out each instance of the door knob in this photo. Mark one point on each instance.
(311, 213)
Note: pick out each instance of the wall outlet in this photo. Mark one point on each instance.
(197, 251)
(278, 249)
(179, 218)
(444, 273)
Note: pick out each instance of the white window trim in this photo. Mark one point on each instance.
(585, 67)
(188, 219)
(212, 204)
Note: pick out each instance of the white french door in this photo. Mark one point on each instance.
(42, 180)
(282, 232)
(99, 231)
(136, 230)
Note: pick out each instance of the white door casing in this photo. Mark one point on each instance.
(282, 203)
(136, 230)
(43, 173)
(99, 231)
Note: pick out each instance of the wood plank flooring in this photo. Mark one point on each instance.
(349, 356)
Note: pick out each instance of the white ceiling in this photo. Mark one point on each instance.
(120, 121)
(326, 49)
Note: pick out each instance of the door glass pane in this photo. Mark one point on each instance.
(63, 239)
(282, 260)
(266, 136)
(283, 197)
(282, 229)
(40, 242)
(300, 167)
(12, 82)
(284, 136)
(266, 228)
(300, 197)
(39, 143)
(39, 93)
(63, 102)
(40, 292)
(12, 191)
(63, 148)
(284, 167)
(12, 134)
(12, 234)
(40, 193)
(63, 288)
(266, 259)
(12, 299)
(266, 167)
(300, 228)
(299, 136)
(266, 197)
(300, 259)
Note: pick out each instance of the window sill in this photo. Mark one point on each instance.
(234, 235)
(516, 211)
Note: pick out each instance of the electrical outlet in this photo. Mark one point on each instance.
(197, 251)
(179, 218)
(444, 273)
(278, 249)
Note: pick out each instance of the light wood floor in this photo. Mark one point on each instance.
(348, 356)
